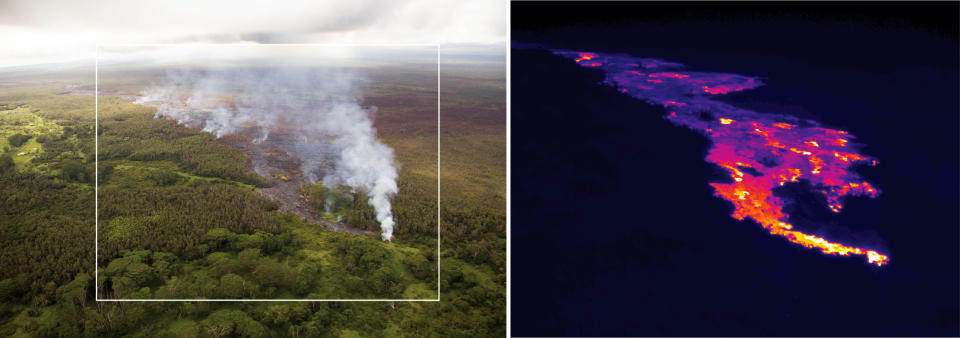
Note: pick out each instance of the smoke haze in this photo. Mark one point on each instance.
(316, 109)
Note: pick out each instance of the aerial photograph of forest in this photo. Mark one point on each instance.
(223, 190)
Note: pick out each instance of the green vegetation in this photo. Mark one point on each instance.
(336, 202)
(179, 218)
(18, 140)
(6, 163)
(130, 133)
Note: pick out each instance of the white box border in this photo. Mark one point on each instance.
(96, 150)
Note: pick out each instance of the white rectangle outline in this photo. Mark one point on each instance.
(96, 152)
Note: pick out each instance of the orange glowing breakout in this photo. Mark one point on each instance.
(760, 152)
(587, 57)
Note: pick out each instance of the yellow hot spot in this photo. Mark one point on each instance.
(776, 144)
(725, 121)
(794, 174)
(737, 174)
(784, 225)
(761, 132)
(876, 258)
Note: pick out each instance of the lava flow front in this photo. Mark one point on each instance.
(759, 151)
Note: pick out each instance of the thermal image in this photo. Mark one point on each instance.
(759, 151)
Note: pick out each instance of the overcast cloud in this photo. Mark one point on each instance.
(34, 32)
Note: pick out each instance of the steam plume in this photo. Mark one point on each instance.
(316, 108)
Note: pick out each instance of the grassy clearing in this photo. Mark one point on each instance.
(133, 174)
(23, 122)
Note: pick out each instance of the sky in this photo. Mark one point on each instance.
(38, 32)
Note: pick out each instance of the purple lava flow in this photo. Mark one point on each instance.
(760, 152)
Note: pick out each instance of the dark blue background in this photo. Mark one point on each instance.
(616, 232)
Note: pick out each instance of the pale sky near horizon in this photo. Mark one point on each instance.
(38, 32)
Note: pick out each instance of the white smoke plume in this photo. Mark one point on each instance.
(318, 107)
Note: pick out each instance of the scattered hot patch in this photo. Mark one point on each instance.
(759, 151)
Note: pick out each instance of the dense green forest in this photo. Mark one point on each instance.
(179, 218)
